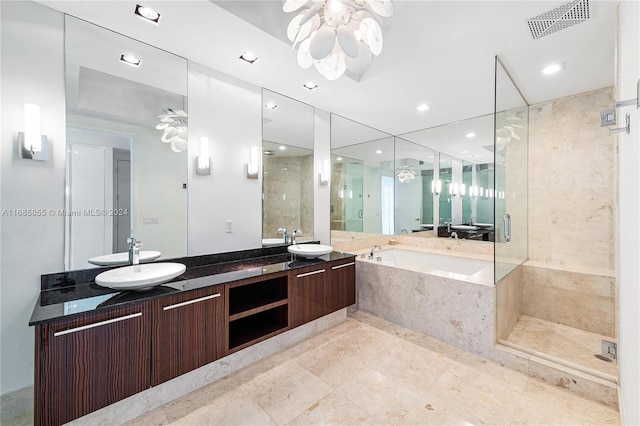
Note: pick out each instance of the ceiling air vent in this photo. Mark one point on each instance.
(559, 18)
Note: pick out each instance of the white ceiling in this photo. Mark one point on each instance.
(438, 52)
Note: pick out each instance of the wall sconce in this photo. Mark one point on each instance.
(436, 186)
(454, 189)
(325, 173)
(32, 144)
(203, 162)
(252, 165)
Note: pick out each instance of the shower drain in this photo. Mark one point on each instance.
(603, 358)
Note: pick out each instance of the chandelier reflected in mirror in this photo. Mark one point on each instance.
(337, 35)
(173, 123)
(405, 174)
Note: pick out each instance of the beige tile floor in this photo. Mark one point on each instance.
(368, 371)
(560, 341)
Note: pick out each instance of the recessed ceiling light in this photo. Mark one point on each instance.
(271, 105)
(130, 60)
(464, 151)
(339, 159)
(552, 69)
(147, 14)
(309, 85)
(379, 151)
(470, 135)
(422, 107)
(249, 57)
(282, 147)
(269, 153)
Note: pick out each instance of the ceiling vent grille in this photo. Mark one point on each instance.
(559, 18)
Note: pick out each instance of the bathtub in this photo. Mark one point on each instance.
(449, 298)
(472, 270)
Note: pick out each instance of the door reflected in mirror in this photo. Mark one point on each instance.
(287, 163)
(126, 167)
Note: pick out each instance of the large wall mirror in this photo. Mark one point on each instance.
(464, 187)
(414, 172)
(362, 203)
(287, 163)
(126, 165)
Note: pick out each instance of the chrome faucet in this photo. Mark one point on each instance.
(373, 249)
(449, 225)
(284, 234)
(454, 235)
(292, 238)
(134, 250)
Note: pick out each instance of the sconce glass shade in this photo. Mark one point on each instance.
(203, 161)
(252, 166)
(32, 144)
(326, 172)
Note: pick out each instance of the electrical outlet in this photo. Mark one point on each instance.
(229, 226)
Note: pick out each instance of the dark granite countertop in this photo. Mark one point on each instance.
(69, 293)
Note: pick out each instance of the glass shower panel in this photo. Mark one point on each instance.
(510, 174)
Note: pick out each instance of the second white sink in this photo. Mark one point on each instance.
(140, 277)
(309, 251)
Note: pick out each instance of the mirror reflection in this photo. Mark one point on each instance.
(287, 163)
(464, 191)
(414, 171)
(362, 184)
(126, 167)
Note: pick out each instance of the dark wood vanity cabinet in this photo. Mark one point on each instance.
(90, 361)
(188, 332)
(341, 288)
(318, 290)
(307, 294)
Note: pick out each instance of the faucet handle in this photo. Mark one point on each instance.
(281, 229)
(297, 231)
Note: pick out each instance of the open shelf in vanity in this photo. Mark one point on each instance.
(256, 310)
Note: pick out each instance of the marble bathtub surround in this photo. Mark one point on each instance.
(508, 303)
(453, 311)
(402, 377)
(445, 245)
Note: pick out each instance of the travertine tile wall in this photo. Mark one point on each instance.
(572, 213)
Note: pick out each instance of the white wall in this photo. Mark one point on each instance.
(629, 206)
(32, 71)
(229, 113)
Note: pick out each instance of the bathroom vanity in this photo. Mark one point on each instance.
(95, 346)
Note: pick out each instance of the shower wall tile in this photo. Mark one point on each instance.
(572, 182)
(581, 300)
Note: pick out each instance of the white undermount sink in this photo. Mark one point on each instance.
(465, 227)
(140, 277)
(123, 258)
(309, 251)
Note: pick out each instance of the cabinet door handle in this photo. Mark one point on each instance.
(344, 265)
(319, 271)
(97, 324)
(189, 302)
